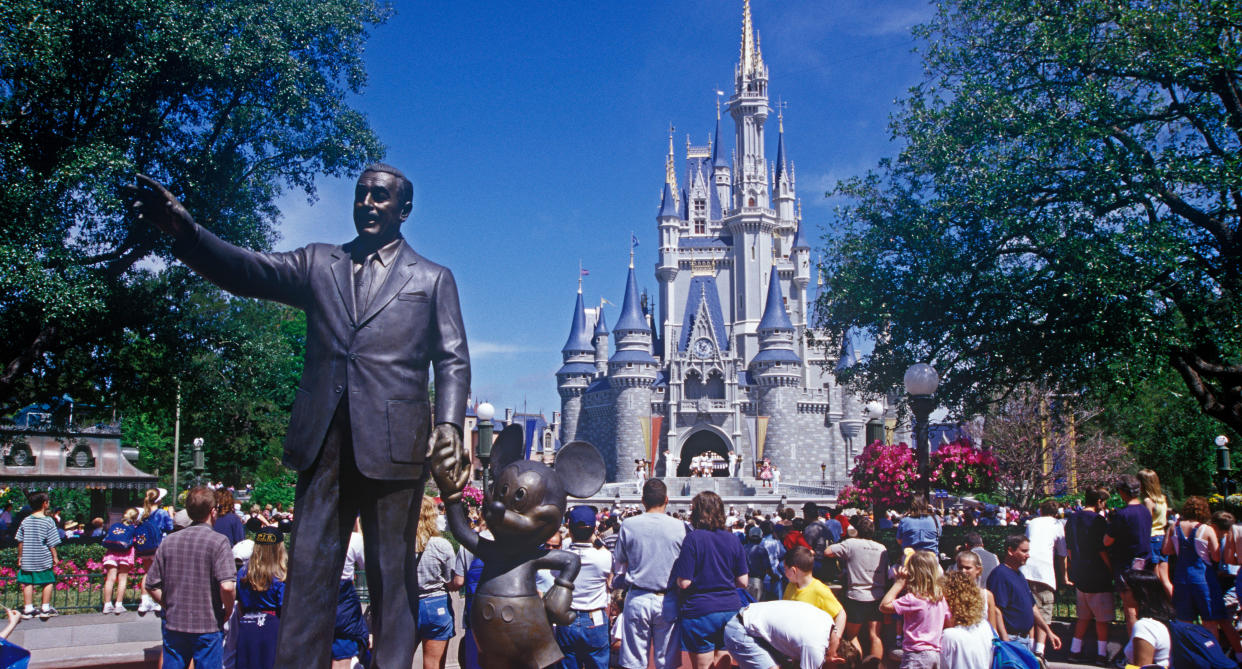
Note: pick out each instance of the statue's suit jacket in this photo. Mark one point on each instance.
(379, 359)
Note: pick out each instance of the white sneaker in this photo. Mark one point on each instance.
(145, 605)
(107, 607)
(119, 608)
(156, 607)
(28, 613)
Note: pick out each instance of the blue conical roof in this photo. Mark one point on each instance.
(780, 158)
(800, 237)
(774, 315)
(668, 204)
(718, 159)
(579, 335)
(601, 328)
(631, 309)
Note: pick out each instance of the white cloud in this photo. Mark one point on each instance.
(480, 349)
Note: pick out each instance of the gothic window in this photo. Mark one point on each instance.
(715, 386)
(875, 432)
(750, 202)
(694, 388)
(700, 216)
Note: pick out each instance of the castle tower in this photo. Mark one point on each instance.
(666, 270)
(601, 343)
(722, 192)
(631, 371)
(800, 256)
(749, 108)
(575, 374)
(783, 181)
(777, 370)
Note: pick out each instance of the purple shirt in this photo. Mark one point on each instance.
(1130, 528)
(711, 560)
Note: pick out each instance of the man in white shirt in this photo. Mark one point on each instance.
(1047, 537)
(795, 630)
(585, 641)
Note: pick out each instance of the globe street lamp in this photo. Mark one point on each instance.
(1223, 468)
(921, 381)
(485, 412)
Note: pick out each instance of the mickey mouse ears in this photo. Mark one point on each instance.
(581, 468)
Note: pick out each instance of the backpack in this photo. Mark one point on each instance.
(1012, 655)
(148, 535)
(1196, 648)
(120, 537)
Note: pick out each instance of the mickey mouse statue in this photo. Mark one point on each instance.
(523, 507)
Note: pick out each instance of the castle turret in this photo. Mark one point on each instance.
(783, 178)
(601, 343)
(666, 270)
(577, 371)
(749, 108)
(631, 372)
(722, 192)
(777, 370)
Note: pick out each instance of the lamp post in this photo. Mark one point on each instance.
(198, 461)
(921, 381)
(1223, 468)
(823, 473)
(485, 412)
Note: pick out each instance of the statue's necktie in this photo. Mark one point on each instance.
(362, 284)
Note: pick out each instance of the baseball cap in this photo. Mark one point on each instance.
(581, 515)
(182, 519)
(269, 535)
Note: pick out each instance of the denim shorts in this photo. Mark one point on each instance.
(705, 633)
(435, 618)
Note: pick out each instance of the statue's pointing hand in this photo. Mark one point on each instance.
(153, 203)
(449, 466)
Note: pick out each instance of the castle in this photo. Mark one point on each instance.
(723, 363)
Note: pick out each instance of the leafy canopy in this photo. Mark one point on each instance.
(1066, 208)
(230, 103)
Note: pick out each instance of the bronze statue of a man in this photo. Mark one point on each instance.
(378, 316)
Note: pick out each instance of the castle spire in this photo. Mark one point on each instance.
(748, 41)
(579, 340)
(632, 317)
(670, 164)
(775, 317)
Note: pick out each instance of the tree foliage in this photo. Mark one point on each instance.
(230, 103)
(1066, 207)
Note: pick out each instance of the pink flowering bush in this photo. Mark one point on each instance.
(472, 496)
(883, 476)
(959, 467)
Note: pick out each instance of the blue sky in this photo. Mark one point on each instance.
(535, 135)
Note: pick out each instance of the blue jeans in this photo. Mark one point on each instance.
(584, 643)
(207, 650)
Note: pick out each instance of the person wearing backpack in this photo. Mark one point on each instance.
(156, 523)
(1196, 591)
(118, 559)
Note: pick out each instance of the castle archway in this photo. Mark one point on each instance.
(703, 441)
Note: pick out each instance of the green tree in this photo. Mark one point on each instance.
(230, 103)
(1066, 208)
(1165, 431)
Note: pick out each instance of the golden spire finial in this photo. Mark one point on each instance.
(670, 165)
(748, 40)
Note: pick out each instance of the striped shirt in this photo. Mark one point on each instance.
(37, 535)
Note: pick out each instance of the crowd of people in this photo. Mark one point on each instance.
(757, 590)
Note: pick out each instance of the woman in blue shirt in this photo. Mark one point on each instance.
(709, 571)
(920, 528)
(260, 593)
